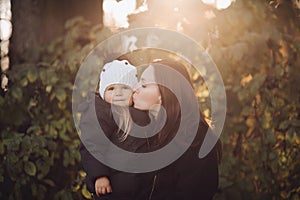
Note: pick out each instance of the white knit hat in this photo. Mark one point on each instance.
(117, 72)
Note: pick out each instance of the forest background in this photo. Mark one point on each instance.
(255, 45)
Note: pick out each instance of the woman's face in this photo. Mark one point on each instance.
(147, 93)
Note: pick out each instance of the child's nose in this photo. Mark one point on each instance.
(118, 91)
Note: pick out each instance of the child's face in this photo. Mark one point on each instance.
(118, 94)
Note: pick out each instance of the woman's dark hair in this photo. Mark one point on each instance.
(170, 101)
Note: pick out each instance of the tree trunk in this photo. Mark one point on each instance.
(36, 22)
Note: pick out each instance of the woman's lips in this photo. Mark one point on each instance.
(134, 96)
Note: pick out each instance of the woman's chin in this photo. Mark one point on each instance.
(137, 106)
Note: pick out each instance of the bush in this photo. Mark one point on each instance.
(39, 145)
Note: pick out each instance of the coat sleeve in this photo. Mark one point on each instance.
(90, 143)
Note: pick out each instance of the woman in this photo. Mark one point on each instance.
(189, 177)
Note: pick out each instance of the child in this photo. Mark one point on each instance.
(116, 82)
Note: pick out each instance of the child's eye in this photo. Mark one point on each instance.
(126, 88)
(110, 88)
(143, 85)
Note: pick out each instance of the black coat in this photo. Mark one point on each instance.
(124, 185)
(187, 178)
(197, 178)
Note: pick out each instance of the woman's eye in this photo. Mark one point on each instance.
(143, 85)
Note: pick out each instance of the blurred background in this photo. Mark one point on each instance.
(255, 45)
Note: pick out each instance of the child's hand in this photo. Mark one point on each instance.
(102, 186)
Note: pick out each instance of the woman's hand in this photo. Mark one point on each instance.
(102, 186)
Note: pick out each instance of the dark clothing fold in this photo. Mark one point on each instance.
(187, 178)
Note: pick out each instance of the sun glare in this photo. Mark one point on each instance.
(5, 29)
(223, 4)
(219, 4)
(5, 34)
(116, 12)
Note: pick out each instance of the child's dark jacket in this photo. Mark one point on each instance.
(123, 184)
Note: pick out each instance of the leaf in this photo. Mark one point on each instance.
(32, 75)
(63, 135)
(257, 81)
(24, 82)
(48, 88)
(53, 79)
(283, 125)
(61, 105)
(60, 94)
(33, 129)
(82, 173)
(30, 168)
(43, 76)
(247, 110)
(86, 194)
(271, 138)
(74, 21)
(43, 168)
(296, 123)
(49, 182)
(17, 93)
(44, 153)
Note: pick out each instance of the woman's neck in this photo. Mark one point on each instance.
(154, 110)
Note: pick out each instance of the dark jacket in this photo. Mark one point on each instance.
(189, 177)
(197, 178)
(124, 185)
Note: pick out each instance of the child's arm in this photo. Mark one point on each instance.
(93, 168)
(102, 186)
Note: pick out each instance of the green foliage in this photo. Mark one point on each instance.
(39, 146)
(257, 52)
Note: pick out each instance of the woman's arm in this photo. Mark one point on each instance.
(198, 178)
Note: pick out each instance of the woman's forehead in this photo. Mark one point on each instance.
(148, 74)
(117, 85)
